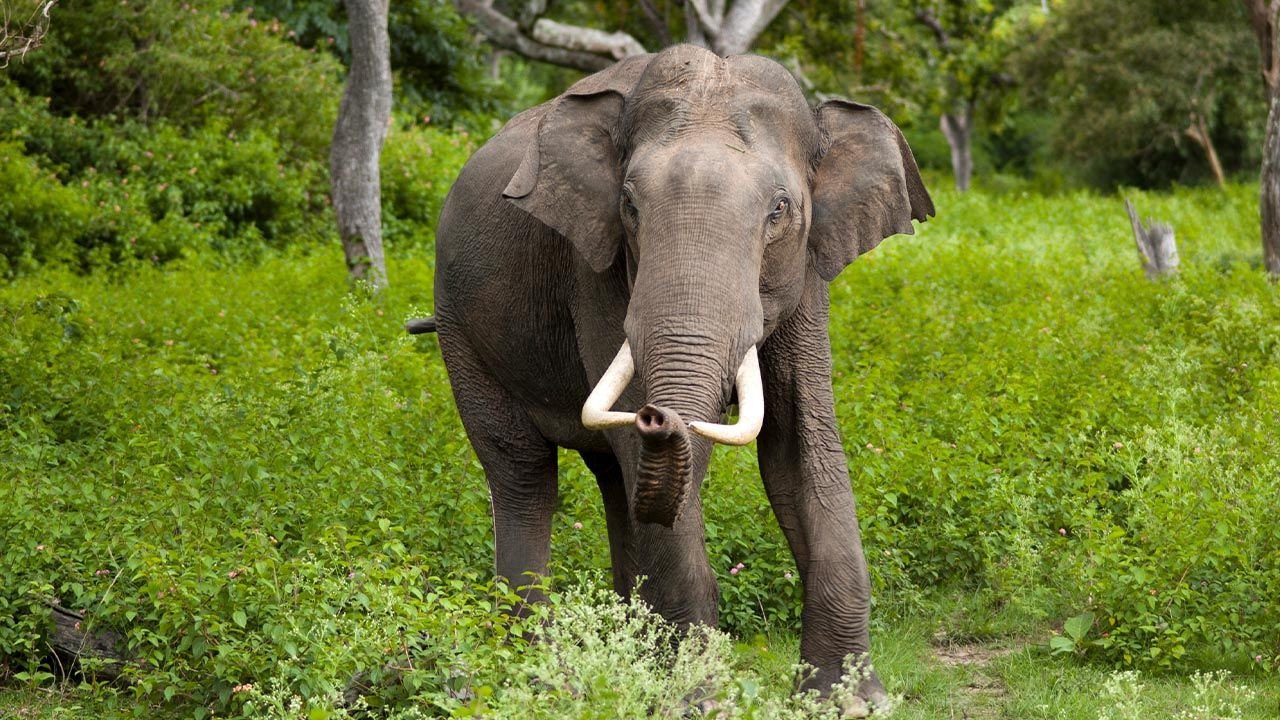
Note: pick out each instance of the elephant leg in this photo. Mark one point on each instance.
(677, 580)
(617, 515)
(668, 566)
(806, 478)
(518, 462)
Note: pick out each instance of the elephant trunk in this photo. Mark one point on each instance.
(665, 471)
(666, 468)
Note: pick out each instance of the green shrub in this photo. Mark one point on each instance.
(440, 71)
(41, 217)
(186, 63)
(256, 475)
(592, 655)
(419, 165)
(150, 193)
(104, 192)
(1021, 410)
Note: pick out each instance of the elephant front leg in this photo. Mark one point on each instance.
(807, 480)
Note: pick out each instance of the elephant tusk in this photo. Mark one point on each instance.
(596, 414)
(750, 407)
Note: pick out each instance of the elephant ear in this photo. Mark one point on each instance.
(571, 179)
(867, 186)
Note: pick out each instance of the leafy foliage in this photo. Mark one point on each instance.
(145, 133)
(104, 192)
(208, 444)
(1126, 79)
(1076, 437)
(261, 481)
(96, 194)
(187, 63)
(439, 68)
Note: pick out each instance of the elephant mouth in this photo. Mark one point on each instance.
(664, 475)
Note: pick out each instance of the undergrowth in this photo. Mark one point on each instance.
(254, 475)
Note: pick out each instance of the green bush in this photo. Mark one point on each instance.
(592, 655)
(40, 215)
(99, 192)
(1022, 410)
(150, 131)
(440, 71)
(187, 63)
(419, 165)
(149, 193)
(204, 521)
(258, 479)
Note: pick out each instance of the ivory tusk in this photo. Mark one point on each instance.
(596, 414)
(750, 407)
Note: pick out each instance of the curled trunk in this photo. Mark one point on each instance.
(665, 472)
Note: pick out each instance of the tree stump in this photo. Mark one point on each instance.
(1156, 244)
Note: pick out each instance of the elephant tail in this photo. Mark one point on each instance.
(419, 326)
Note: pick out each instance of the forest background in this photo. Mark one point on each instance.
(252, 493)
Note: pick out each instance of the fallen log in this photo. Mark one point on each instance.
(96, 653)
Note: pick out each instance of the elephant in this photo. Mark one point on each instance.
(660, 238)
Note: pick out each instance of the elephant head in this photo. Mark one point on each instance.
(718, 187)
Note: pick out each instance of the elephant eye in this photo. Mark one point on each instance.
(779, 210)
(629, 212)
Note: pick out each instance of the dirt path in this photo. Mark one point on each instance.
(983, 695)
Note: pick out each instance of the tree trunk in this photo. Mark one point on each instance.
(357, 142)
(1198, 131)
(743, 24)
(958, 129)
(1270, 192)
(1263, 18)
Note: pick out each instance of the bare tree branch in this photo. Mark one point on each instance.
(931, 22)
(549, 41)
(693, 25)
(616, 45)
(656, 21)
(727, 28)
(710, 22)
(529, 12)
(16, 40)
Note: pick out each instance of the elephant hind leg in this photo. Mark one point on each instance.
(618, 517)
(519, 464)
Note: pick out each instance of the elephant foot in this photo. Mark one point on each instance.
(855, 707)
(872, 692)
(869, 698)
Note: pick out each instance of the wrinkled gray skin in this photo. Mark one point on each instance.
(695, 206)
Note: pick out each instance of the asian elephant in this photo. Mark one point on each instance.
(659, 239)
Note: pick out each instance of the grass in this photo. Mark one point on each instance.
(253, 472)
